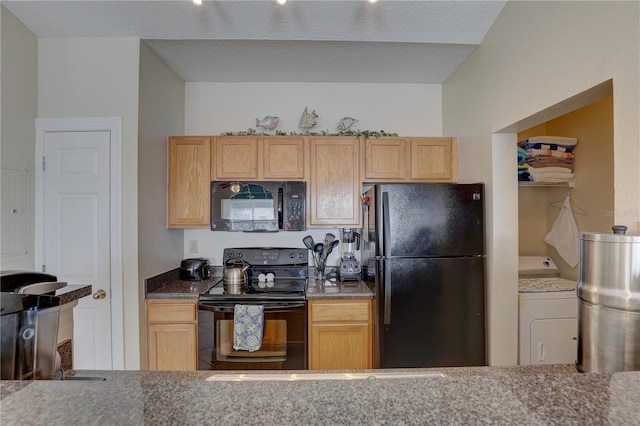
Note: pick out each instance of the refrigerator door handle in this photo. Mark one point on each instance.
(387, 293)
(386, 226)
(386, 229)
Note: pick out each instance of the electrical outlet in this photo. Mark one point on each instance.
(193, 246)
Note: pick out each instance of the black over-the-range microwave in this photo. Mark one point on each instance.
(258, 206)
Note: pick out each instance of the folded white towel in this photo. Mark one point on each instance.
(248, 324)
(548, 170)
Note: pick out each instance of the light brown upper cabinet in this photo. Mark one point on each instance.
(257, 158)
(334, 184)
(189, 172)
(334, 168)
(234, 157)
(386, 158)
(428, 159)
(283, 157)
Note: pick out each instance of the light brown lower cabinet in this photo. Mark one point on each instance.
(340, 334)
(172, 333)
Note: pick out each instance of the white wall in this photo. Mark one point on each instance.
(406, 109)
(161, 114)
(214, 108)
(17, 138)
(536, 55)
(94, 77)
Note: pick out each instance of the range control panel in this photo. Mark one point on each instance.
(272, 256)
(537, 266)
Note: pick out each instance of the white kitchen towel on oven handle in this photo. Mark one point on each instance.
(564, 235)
(248, 325)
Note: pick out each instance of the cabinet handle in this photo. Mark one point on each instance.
(540, 351)
(574, 338)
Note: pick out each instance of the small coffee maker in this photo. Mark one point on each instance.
(349, 265)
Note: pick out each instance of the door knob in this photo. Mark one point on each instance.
(100, 294)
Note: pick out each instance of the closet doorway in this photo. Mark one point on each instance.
(592, 194)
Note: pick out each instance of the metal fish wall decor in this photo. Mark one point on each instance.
(269, 122)
(345, 123)
(308, 119)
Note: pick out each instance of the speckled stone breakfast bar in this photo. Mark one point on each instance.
(524, 395)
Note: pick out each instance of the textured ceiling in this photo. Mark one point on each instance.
(391, 41)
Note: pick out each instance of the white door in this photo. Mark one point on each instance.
(76, 233)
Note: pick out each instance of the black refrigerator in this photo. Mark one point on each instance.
(424, 249)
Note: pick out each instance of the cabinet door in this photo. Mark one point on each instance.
(282, 158)
(554, 341)
(334, 195)
(172, 334)
(171, 311)
(386, 158)
(234, 157)
(339, 346)
(188, 191)
(434, 159)
(340, 334)
(172, 346)
(346, 311)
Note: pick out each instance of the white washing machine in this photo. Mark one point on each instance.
(548, 313)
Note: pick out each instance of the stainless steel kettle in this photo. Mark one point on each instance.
(235, 277)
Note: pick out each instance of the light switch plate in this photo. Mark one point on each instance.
(193, 246)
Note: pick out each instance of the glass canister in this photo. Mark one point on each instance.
(609, 302)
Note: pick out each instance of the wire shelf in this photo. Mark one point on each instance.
(570, 183)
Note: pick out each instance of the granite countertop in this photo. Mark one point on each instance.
(325, 289)
(531, 395)
(169, 286)
(545, 284)
(178, 289)
(71, 293)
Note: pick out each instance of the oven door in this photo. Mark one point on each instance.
(284, 342)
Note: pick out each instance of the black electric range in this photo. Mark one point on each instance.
(277, 281)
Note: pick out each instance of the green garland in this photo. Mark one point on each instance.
(359, 133)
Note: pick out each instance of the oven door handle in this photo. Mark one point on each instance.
(268, 306)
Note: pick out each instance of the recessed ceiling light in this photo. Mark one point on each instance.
(197, 2)
(281, 1)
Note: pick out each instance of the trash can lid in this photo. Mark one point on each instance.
(618, 235)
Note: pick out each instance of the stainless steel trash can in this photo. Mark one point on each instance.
(609, 302)
(29, 335)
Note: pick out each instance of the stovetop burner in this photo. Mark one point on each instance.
(285, 285)
(277, 289)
